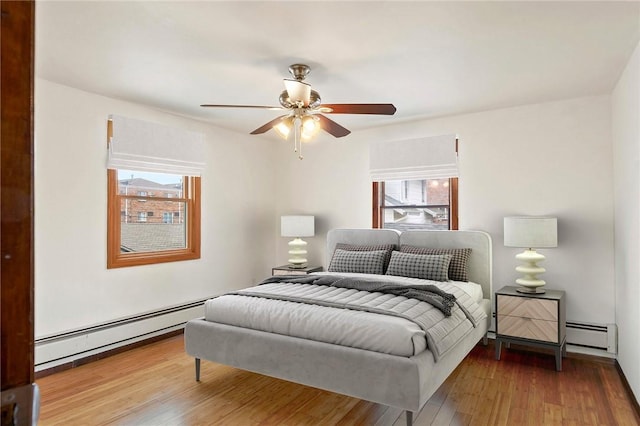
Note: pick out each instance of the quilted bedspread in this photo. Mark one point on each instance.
(441, 332)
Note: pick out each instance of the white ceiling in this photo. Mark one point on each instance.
(428, 58)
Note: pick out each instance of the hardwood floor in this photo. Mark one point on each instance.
(154, 385)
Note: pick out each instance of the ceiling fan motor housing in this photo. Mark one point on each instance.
(285, 100)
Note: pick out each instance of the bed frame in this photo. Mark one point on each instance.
(403, 382)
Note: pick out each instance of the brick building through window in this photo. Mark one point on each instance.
(148, 210)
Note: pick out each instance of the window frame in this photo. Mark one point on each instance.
(377, 204)
(117, 259)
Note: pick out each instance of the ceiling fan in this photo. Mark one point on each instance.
(305, 110)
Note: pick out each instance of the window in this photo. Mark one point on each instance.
(138, 236)
(152, 217)
(415, 184)
(416, 204)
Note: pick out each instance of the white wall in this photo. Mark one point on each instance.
(73, 288)
(553, 158)
(545, 159)
(626, 157)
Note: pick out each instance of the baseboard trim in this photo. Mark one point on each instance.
(119, 322)
(111, 352)
(71, 345)
(627, 387)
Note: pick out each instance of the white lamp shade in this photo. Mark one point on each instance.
(297, 226)
(530, 232)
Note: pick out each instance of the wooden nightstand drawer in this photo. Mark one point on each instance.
(542, 309)
(528, 328)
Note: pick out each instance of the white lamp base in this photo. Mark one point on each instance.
(530, 282)
(297, 254)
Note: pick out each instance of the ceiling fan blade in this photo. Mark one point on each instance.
(298, 91)
(273, 108)
(268, 126)
(332, 127)
(380, 109)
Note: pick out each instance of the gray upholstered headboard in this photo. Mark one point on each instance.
(480, 268)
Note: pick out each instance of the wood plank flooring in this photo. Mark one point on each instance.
(154, 385)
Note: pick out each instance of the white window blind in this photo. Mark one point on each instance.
(151, 147)
(425, 158)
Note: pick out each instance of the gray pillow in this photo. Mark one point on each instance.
(458, 265)
(424, 266)
(360, 262)
(372, 247)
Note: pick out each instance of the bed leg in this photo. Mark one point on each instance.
(197, 369)
(409, 418)
(485, 339)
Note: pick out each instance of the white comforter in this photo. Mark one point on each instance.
(348, 327)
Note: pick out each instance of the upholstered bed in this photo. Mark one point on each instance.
(405, 381)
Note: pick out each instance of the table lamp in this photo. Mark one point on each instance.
(296, 227)
(530, 232)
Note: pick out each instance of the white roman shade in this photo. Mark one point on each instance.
(425, 158)
(143, 146)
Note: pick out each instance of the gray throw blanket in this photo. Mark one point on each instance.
(426, 293)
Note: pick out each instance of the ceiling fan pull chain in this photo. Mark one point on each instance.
(300, 124)
(300, 141)
(297, 136)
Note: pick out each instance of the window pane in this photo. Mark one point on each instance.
(145, 230)
(146, 184)
(416, 192)
(437, 191)
(416, 204)
(416, 218)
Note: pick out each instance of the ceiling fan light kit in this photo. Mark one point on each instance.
(283, 128)
(305, 111)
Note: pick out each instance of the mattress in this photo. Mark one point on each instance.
(346, 327)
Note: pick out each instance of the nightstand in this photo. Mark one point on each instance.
(285, 270)
(532, 319)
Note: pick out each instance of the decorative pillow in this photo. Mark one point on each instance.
(427, 267)
(361, 247)
(458, 265)
(360, 262)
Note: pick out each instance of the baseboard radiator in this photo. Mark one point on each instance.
(595, 336)
(62, 348)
